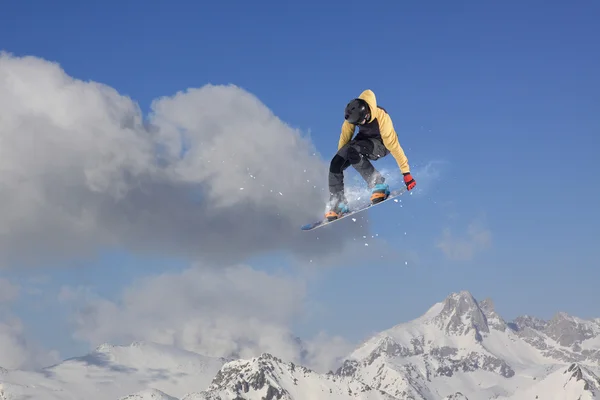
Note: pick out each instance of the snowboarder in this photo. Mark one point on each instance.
(376, 138)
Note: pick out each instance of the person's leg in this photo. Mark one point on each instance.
(338, 165)
(345, 156)
(358, 153)
(371, 150)
(360, 156)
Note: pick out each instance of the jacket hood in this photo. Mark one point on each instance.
(371, 100)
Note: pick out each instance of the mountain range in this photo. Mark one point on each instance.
(458, 349)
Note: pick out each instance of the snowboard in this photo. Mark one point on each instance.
(365, 206)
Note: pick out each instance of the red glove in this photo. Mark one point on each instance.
(409, 181)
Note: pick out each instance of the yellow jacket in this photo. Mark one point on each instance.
(386, 129)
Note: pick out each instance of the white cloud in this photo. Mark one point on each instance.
(212, 173)
(465, 247)
(18, 351)
(234, 311)
(326, 353)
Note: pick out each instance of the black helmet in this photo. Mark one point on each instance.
(356, 111)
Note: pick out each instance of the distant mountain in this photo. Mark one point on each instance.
(459, 349)
(571, 382)
(112, 372)
(148, 394)
(267, 377)
(564, 338)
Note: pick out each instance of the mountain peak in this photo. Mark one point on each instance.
(462, 295)
(568, 330)
(529, 321)
(581, 373)
(461, 315)
(494, 320)
(459, 302)
(487, 304)
(272, 378)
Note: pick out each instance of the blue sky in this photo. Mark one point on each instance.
(500, 100)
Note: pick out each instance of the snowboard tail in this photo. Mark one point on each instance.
(363, 207)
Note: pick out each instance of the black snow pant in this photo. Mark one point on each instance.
(358, 153)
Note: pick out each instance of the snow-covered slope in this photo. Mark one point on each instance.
(112, 372)
(267, 377)
(460, 349)
(572, 382)
(148, 394)
(564, 337)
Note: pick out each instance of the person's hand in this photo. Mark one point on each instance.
(409, 181)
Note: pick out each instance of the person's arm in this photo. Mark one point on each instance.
(390, 140)
(346, 134)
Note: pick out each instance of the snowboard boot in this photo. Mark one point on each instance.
(338, 206)
(380, 192)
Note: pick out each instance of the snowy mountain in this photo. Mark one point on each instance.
(111, 372)
(572, 382)
(267, 377)
(149, 394)
(459, 349)
(462, 347)
(565, 338)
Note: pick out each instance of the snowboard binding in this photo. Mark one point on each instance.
(337, 211)
(380, 192)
